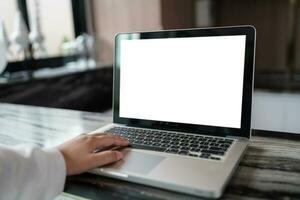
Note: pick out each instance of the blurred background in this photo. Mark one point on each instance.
(60, 52)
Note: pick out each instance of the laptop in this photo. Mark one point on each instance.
(183, 99)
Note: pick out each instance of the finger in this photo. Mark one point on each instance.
(109, 140)
(102, 134)
(105, 157)
(99, 134)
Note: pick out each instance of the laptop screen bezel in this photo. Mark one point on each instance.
(244, 131)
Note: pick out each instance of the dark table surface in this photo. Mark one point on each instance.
(88, 90)
(270, 168)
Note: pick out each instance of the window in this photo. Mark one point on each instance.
(8, 10)
(56, 22)
(60, 21)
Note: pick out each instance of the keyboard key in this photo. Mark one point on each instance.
(147, 147)
(212, 152)
(195, 149)
(184, 148)
(215, 149)
(204, 155)
(183, 152)
(172, 151)
(215, 158)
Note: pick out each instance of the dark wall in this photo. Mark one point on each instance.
(271, 19)
(178, 14)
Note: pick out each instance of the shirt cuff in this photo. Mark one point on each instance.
(57, 172)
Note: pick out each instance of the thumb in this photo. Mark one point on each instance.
(106, 157)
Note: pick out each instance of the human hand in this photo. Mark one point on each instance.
(82, 153)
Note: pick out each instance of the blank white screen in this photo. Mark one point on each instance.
(196, 80)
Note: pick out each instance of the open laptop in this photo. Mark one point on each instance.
(183, 99)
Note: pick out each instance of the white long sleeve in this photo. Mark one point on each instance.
(31, 173)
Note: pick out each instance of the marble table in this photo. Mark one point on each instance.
(269, 170)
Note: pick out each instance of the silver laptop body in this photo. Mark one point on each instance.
(185, 95)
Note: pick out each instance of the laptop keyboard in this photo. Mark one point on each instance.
(207, 147)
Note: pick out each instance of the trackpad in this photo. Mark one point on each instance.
(135, 162)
